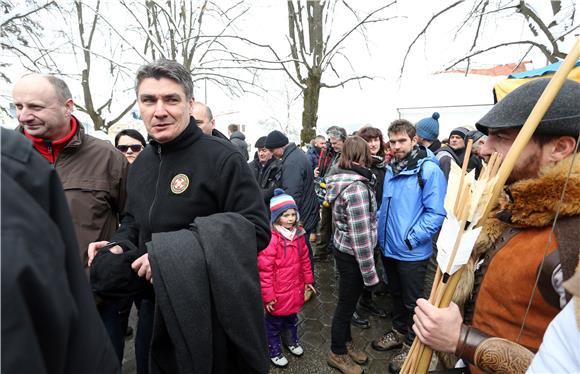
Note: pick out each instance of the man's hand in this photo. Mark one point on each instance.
(94, 247)
(142, 267)
(270, 306)
(316, 172)
(438, 328)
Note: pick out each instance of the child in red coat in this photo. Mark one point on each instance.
(285, 274)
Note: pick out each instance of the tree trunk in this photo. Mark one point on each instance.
(310, 110)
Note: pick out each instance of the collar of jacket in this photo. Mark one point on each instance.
(76, 139)
(190, 135)
(534, 202)
(414, 164)
(289, 149)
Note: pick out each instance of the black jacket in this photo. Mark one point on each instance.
(268, 176)
(212, 175)
(49, 319)
(209, 314)
(298, 182)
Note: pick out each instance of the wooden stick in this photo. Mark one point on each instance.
(463, 172)
(425, 359)
(533, 121)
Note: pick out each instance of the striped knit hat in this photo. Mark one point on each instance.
(280, 203)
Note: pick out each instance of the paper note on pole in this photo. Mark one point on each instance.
(446, 242)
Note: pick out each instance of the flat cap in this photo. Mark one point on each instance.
(562, 118)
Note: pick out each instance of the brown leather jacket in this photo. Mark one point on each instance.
(93, 174)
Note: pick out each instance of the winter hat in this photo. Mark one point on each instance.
(276, 139)
(475, 135)
(461, 131)
(428, 128)
(280, 203)
(562, 118)
(261, 142)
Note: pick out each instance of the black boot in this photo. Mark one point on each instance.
(360, 322)
(366, 303)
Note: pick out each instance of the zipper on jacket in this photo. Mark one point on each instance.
(387, 221)
(156, 188)
(51, 150)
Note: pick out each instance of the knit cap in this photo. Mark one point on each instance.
(261, 142)
(428, 128)
(276, 139)
(460, 131)
(280, 203)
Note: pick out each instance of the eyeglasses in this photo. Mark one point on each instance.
(134, 147)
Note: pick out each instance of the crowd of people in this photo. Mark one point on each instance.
(217, 252)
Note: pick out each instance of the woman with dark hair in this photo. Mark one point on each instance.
(130, 142)
(351, 194)
(374, 137)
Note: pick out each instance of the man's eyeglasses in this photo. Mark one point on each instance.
(134, 147)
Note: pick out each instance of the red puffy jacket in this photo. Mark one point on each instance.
(284, 270)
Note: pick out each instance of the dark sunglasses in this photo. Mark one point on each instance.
(134, 147)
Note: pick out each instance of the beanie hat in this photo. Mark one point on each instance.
(475, 135)
(280, 203)
(460, 131)
(428, 128)
(562, 118)
(276, 139)
(261, 142)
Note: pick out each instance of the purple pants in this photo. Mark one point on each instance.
(274, 326)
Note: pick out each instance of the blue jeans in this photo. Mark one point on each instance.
(109, 312)
(277, 324)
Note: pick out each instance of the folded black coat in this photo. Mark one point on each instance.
(208, 313)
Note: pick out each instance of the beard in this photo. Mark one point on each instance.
(525, 169)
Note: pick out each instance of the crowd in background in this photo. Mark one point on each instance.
(150, 218)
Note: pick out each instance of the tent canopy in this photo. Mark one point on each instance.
(513, 81)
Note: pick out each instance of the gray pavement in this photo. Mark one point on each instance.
(314, 330)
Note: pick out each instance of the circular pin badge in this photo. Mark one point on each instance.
(179, 183)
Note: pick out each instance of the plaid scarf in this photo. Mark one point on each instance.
(413, 157)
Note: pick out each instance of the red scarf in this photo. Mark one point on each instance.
(50, 150)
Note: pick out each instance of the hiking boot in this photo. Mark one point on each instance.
(343, 363)
(296, 350)
(392, 339)
(356, 354)
(279, 361)
(372, 308)
(360, 322)
(399, 359)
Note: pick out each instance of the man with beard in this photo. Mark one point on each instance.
(411, 212)
(455, 152)
(528, 244)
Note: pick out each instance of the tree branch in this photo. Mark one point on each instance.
(425, 30)
(341, 84)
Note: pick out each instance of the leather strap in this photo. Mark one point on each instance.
(469, 339)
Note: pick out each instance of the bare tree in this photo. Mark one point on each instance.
(86, 45)
(194, 33)
(315, 48)
(545, 35)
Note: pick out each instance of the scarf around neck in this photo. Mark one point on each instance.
(412, 160)
(288, 234)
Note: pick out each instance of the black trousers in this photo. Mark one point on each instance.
(406, 280)
(350, 287)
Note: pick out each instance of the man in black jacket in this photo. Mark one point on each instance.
(180, 176)
(267, 170)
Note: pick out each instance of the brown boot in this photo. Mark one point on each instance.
(392, 339)
(343, 363)
(399, 359)
(356, 354)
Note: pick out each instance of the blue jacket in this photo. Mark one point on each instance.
(411, 212)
